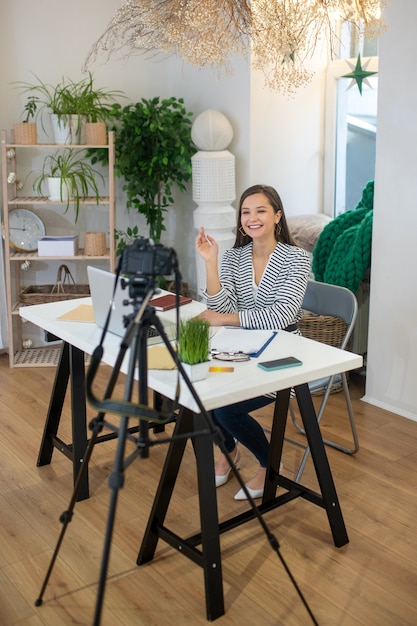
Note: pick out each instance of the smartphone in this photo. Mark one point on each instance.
(277, 364)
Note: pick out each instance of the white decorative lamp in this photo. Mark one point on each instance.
(213, 182)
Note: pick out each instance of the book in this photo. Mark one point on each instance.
(236, 339)
(168, 301)
(58, 246)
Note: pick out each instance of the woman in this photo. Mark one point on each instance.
(262, 283)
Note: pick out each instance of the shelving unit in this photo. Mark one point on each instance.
(42, 355)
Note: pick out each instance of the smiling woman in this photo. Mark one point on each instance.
(261, 285)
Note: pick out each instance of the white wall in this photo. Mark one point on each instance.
(391, 380)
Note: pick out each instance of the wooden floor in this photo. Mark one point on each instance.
(370, 581)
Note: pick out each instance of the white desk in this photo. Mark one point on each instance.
(247, 380)
(217, 390)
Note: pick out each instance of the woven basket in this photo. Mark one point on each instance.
(64, 289)
(323, 328)
(95, 244)
(25, 133)
(95, 134)
(326, 329)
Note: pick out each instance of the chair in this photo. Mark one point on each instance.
(322, 299)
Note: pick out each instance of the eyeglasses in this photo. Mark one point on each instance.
(230, 356)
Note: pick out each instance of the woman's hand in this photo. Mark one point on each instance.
(206, 246)
(219, 319)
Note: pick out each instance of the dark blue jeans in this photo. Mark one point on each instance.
(235, 422)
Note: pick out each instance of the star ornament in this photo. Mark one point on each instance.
(359, 75)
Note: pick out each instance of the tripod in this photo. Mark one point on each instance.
(135, 338)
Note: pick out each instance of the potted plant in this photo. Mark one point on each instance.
(153, 153)
(194, 347)
(71, 104)
(26, 132)
(70, 178)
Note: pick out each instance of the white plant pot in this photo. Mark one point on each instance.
(196, 372)
(54, 188)
(68, 129)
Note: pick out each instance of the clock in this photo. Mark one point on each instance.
(25, 229)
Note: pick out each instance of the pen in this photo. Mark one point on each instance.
(208, 241)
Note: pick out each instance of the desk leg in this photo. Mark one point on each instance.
(209, 522)
(56, 403)
(210, 557)
(79, 417)
(70, 367)
(321, 465)
(165, 488)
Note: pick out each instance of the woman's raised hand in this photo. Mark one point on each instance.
(206, 246)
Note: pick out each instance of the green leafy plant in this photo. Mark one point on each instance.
(76, 175)
(153, 153)
(30, 108)
(125, 238)
(194, 341)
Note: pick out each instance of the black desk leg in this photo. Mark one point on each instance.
(165, 488)
(321, 465)
(70, 367)
(56, 403)
(79, 417)
(209, 522)
(210, 556)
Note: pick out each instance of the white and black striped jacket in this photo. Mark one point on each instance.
(280, 292)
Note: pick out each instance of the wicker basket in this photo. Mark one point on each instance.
(326, 329)
(323, 328)
(96, 134)
(64, 289)
(25, 133)
(95, 244)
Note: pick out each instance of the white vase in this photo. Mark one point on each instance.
(196, 372)
(55, 192)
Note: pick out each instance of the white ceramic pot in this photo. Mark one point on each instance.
(68, 129)
(196, 372)
(54, 187)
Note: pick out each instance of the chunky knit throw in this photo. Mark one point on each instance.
(342, 254)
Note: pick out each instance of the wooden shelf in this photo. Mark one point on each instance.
(80, 256)
(43, 356)
(17, 200)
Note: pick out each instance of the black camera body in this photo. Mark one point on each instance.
(145, 258)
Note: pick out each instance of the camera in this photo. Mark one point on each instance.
(145, 258)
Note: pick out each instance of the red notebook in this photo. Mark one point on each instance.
(169, 301)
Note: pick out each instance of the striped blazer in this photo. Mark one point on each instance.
(280, 292)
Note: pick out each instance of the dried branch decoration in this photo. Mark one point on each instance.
(279, 34)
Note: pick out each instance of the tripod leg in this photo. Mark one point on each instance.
(116, 481)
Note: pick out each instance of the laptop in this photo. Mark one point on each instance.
(101, 288)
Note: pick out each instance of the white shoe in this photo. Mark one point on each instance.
(254, 494)
(222, 480)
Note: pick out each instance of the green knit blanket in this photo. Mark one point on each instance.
(342, 254)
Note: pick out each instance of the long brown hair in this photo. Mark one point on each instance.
(281, 231)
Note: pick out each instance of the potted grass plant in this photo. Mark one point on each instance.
(71, 105)
(194, 347)
(70, 178)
